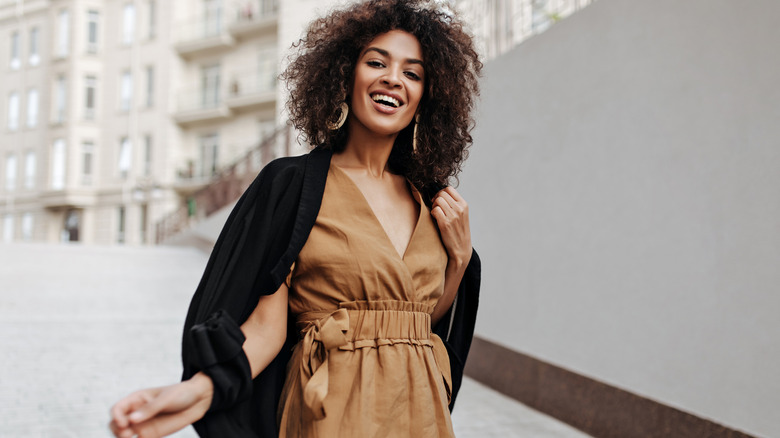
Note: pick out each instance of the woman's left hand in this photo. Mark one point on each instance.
(452, 215)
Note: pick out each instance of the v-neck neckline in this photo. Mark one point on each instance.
(415, 195)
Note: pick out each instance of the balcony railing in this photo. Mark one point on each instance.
(252, 89)
(220, 22)
(193, 99)
(224, 188)
(499, 26)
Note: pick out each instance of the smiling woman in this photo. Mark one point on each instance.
(349, 270)
(321, 78)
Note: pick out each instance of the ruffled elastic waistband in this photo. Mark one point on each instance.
(375, 323)
(361, 324)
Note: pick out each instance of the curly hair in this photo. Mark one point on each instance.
(320, 77)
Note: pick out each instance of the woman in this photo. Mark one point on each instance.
(381, 294)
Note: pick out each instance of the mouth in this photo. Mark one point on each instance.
(384, 99)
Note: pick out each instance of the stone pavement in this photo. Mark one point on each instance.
(81, 326)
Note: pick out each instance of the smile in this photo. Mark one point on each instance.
(384, 99)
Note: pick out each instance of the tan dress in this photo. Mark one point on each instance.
(367, 363)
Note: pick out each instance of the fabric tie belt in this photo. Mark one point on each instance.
(361, 324)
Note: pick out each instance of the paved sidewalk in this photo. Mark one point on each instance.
(81, 326)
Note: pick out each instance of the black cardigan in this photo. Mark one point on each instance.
(252, 257)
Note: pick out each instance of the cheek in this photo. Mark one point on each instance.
(415, 94)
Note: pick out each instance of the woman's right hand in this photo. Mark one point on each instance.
(157, 412)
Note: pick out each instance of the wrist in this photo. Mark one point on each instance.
(459, 263)
(203, 385)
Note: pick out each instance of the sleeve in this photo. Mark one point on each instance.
(255, 236)
(456, 327)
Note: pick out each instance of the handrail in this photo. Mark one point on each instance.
(225, 187)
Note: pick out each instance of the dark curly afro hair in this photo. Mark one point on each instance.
(320, 77)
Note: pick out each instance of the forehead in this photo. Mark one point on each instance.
(398, 43)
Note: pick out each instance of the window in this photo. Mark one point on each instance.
(15, 63)
(540, 17)
(10, 172)
(63, 34)
(34, 58)
(13, 111)
(60, 97)
(92, 31)
(210, 78)
(27, 226)
(90, 85)
(266, 70)
(268, 6)
(58, 164)
(120, 235)
(128, 23)
(212, 25)
(147, 154)
(32, 108)
(30, 169)
(125, 157)
(8, 228)
(209, 153)
(152, 29)
(87, 153)
(149, 86)
(126, 91)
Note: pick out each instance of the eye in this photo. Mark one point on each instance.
(375, 64)
(412, 75)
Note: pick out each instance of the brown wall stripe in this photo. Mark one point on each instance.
(593, 407)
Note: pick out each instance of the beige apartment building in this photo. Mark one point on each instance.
(113, 112)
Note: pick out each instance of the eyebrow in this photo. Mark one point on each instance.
(384, 52)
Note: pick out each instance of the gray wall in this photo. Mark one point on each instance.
(624, 189)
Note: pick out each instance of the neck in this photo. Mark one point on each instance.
(366, 150)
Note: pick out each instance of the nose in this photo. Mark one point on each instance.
(392, 78)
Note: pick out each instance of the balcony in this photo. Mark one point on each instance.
(219, 29)
(254, 17)
(202, 36)
(68, 198)
(199, 105)
(252, 91)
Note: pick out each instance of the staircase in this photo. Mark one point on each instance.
(223, 189)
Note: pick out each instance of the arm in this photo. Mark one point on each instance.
(452, 216)
(157, 412)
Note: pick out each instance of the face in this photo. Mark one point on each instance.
(389, 80)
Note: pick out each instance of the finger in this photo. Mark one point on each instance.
(456, 202)
(120, 432)
(454, 194)
(439, 215)
(152, 408)
(121, 410)
(166, 424)
(443, 203)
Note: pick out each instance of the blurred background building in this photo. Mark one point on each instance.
(117, 116)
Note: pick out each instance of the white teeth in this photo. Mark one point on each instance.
(387, 99)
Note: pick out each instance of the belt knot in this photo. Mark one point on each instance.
(320, 336)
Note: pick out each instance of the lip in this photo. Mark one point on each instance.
(384, 108)
(395, 96)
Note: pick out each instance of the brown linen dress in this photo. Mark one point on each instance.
(367, 364)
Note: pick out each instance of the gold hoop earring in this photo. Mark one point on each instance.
(344, 110)
(414, 134)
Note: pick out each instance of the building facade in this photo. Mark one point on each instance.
(113, 112)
